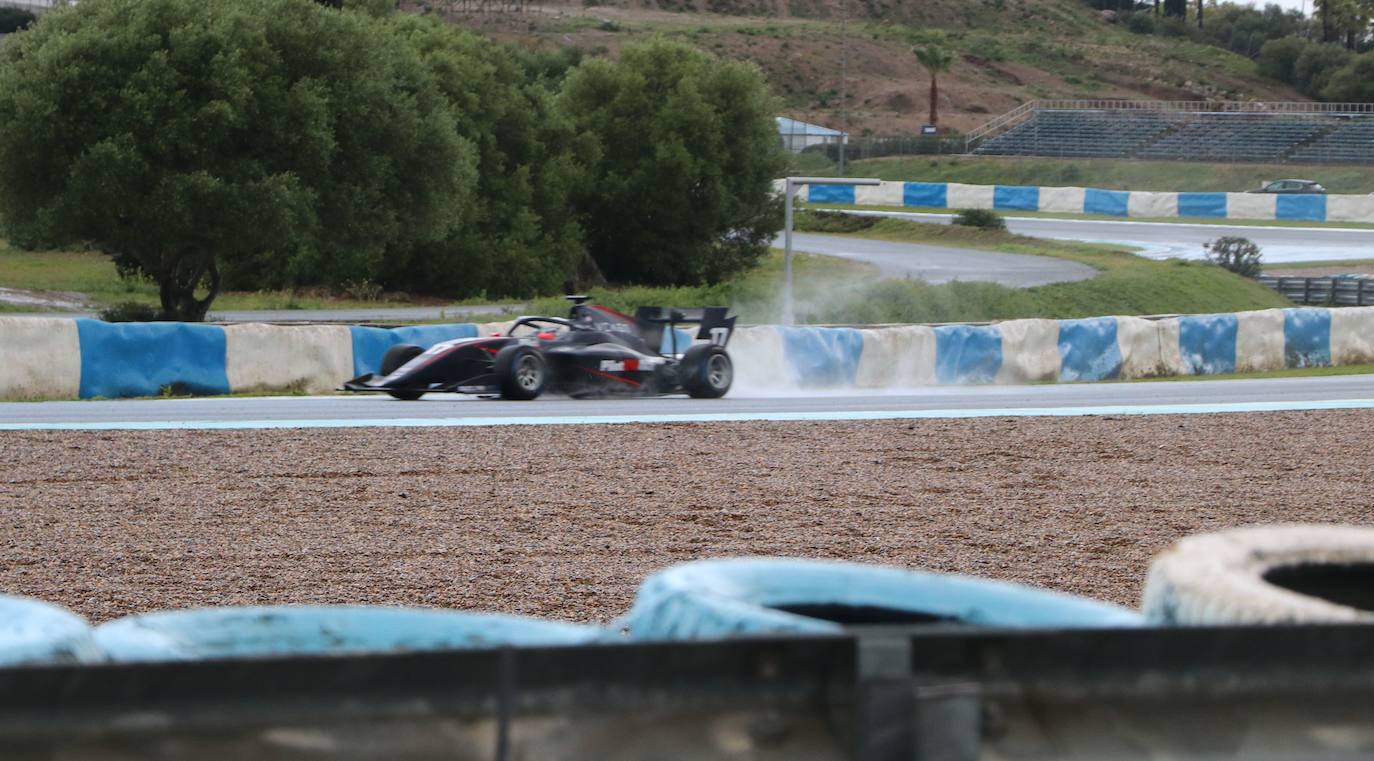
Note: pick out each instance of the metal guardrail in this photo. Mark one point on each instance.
(1336, 291)
(880, 693)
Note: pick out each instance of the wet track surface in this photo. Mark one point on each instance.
(442, 409)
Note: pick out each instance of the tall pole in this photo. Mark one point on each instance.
(788, 318)
(844, 77)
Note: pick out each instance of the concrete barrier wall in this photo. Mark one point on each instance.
(1093, 349)
(43, 358)
(68, 359)
(1115, 203)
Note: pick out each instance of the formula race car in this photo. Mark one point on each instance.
(595, 351)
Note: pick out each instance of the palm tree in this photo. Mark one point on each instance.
(936, 60)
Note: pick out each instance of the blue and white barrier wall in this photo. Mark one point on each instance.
(1023, 351)
(1113, 203)
(54, 358)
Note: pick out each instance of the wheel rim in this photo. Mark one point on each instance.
(529, 372)
(718, 371)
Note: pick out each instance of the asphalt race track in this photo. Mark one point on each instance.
(1162, 240)
(1173, 397)
(940, 264)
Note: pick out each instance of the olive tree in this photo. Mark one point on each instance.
(682, 193)
(190, 138)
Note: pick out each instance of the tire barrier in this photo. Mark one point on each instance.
(321, 630)
(718, 598)
(1111, 203)
(1093, 349)
(1264, 575)
(34, 632)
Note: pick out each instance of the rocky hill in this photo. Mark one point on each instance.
(1006, 52)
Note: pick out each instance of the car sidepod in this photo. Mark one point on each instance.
(609, 369)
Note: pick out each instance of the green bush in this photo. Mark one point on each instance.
(1316, 65)
(1235, 254)
(1352, 83)
(832, 222)
(1278, 58)
(1142, 22)
(983, 219)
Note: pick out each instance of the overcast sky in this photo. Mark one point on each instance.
(1296, 5)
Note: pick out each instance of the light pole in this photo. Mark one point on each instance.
(792, 183)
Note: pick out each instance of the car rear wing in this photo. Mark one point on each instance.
(714, 324)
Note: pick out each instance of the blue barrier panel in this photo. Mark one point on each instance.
(1202, 204)
(750, 596)
(369, 344)
(967, 354)
(1306, 208)
(142, 358)
(1307, 337)
(1116, 203)
(684, 342)
(822, 356)
(830, 194)
(250, 632)
(34, 632)
(1088, 350)
(1207, 343)
(926, 195)
(1016, 198)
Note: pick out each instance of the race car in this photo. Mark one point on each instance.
(594, 352)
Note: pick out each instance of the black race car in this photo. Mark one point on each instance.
(595, 351)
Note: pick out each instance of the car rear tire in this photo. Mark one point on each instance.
(521, 371)
(707, 372)
(393, 360)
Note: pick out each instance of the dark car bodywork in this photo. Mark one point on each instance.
(1286, 187)
(595, 351)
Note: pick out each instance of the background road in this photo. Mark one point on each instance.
(1162, 240)
(740, 405)
(939, 264)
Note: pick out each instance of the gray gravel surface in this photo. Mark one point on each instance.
(941, 264)
(565, 521)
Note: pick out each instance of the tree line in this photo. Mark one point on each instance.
(247, 144)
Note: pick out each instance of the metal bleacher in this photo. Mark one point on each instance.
(1183, 131)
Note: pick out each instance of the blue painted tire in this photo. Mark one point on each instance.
(719, 598)
(246, 632)
(34, 632)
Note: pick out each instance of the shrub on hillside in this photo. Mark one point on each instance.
(1352, 83)
(1239, 255)
(1316, 65)
(1278, 59)
(1141, 22)
(983, 219)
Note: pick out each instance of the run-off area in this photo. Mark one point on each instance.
(565, 521)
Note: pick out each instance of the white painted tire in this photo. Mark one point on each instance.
(1235, 577)
(34, 632)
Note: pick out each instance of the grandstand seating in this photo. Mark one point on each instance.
(1351, 142)
(1189, 135)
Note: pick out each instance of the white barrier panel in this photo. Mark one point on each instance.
(897, 357)
(1149, 348)
(1350, 208)
(1062, 200)
(759, 359)
(1030, 351)
(312, 358)
(1259, 341)
(1152, 204)
(1352, 335)
(40, 358)
(1250, 205)
(960, 196)
(886, 194)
